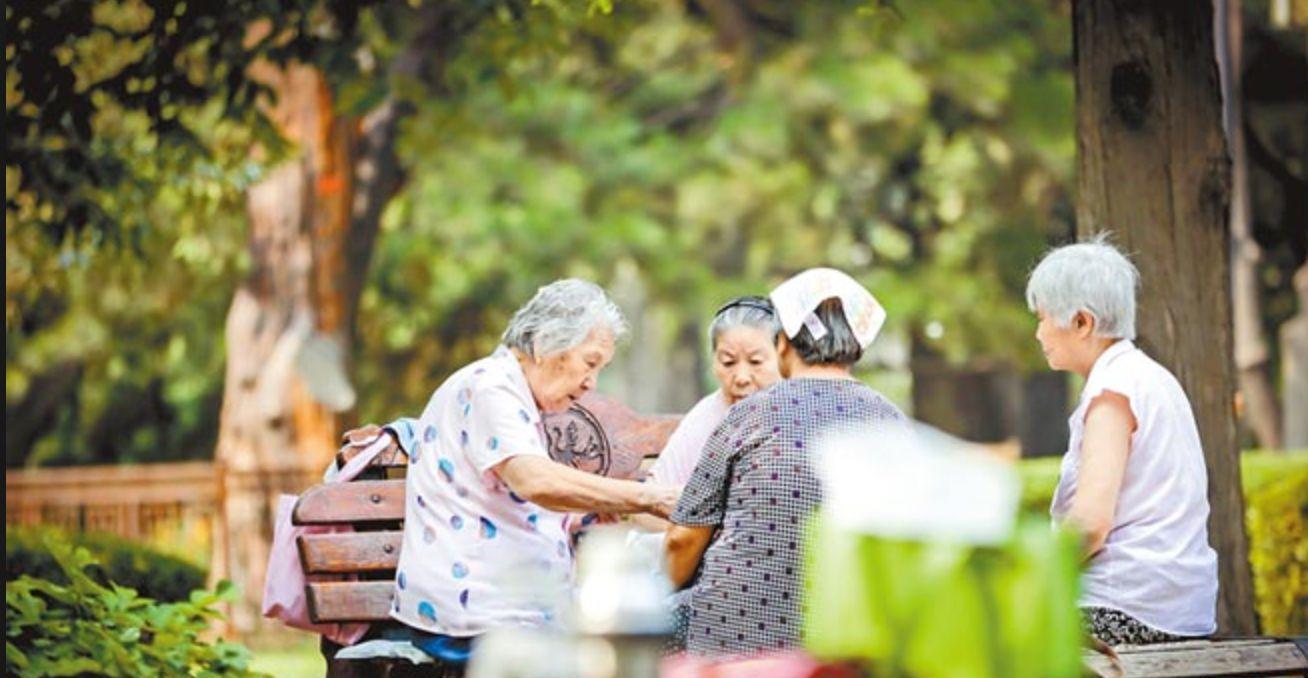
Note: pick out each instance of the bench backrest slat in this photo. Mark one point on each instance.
(360, 501)
(353, 601)
(350, 552)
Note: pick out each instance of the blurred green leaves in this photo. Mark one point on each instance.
(926, 149)
(99, 95)
(928, 154)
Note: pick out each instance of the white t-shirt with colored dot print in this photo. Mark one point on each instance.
(475, 555)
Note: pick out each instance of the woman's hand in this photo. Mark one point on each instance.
(662, 500)
(356, 440)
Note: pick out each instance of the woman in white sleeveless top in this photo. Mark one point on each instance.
(1133, 478)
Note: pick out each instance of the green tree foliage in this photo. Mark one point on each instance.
(122, 260)
(926, 149)
(137, 328)
(85, 627)
(70, 63)
(128, 140)
(926, 152)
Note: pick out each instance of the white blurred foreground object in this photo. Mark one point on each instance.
(524, 653)
(620, 589)
(619, 620)
(916, 483)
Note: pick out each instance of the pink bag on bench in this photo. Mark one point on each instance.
(284, 596)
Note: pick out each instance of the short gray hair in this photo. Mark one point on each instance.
(755, 312)
(1090, 276)
(560, 316)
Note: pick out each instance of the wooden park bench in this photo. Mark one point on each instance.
(597, 435)
(1220, 657)
(602, 436)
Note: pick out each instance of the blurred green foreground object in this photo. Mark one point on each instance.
(934, 609)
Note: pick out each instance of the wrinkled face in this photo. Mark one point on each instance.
(744, 361)
(1061, 345)
(561, 379)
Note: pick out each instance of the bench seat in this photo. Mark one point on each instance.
(1219, 657)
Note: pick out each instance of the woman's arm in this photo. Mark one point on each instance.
(683, 548)
(559, 487)
(1104, 449)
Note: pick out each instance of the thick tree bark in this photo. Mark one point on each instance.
(1261, 411)
(663, 371)
(313, 224)
(1154, 171)
(274, 431)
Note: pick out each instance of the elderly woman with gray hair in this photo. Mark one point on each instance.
(742, 338)
(485, 541)
(1133, 479)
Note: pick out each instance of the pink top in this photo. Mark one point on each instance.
(475, 555)
(677, 461)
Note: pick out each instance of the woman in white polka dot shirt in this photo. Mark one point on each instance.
(485, 544)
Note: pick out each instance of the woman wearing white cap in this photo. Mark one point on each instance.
(741, 514)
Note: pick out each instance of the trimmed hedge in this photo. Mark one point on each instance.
(1276, 517)
(1276, 520)
(152, 573)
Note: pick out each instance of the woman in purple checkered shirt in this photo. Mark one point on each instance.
(739, 521)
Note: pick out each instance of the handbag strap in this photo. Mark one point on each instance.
(360, 461)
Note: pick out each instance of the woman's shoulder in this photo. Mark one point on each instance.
(488, 379)
(700, 420)
(876, 401)
(748, 412)
(1136, 373)
(764, 400)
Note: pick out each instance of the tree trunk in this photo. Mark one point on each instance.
(1260, 409)
(313, 224)
(1153, 169)
(275, 431)
(664, 371)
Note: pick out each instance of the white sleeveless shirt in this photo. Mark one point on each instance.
(1156, 564)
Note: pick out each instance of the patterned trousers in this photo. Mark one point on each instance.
(1115, 627)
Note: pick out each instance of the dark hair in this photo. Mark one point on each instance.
(749, 311)
(838, 347)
